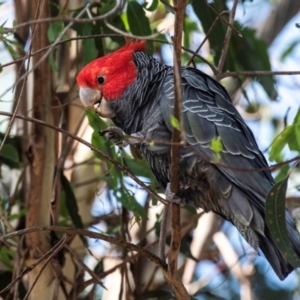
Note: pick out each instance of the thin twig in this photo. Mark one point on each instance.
(59, 245)
(256, 73)
(30, 268)
(129, 35)
(91, 234)
(23, 83)
(115, 9)
(103, 154)
(271, 168)
(83, 265)
(227, 38)
(60, 36)
(222, 19)
(207, 35)
(163, 232)
(186, 226)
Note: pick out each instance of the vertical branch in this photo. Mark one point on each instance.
(42, 157)
(227, 38)
(179, 9)
(171, 275)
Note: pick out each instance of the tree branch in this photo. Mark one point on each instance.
(227, 39)
(60, 245)
(213, 25)
(103, 154)
(91, 234)
(67, 19)
(171, 275)
(256, 73)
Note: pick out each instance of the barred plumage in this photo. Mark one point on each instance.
(207, 113)
(145, 108)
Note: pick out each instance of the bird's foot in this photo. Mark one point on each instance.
(172, 197)
(115, 135)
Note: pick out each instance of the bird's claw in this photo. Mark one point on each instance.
(172, 197)
(115, 135)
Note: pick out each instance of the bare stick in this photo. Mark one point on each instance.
(103, 154)
(171, 275)
(257, 73)
(179, 7)
(30, 268)
(207, 35)
(60, 36)
(163, 232)
(222, 19)
(83, 265)
(61, 244)
(272, 168)
(68, 19)
(227, 38)
(91, 234)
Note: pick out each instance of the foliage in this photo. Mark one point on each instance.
(121, 209)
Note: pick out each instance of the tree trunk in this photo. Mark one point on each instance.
(42, 157)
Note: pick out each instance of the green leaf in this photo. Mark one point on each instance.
(10, 48)
(151, 5)
(95, 121)
(216, 144)
(99, 267)
(296, 124)
(7, 257)
(297, 137)
(257, 51)
(55, 30)
(128, 200)
(297, 117)
(158, 294)
(276, 222)
(52, 62)
(189, 27)
(10, 153)
(88, 45)
(174, 122)
(283, 173)
(138, 22)
(98, 141)
(6, 279)
(71, 204)
(289, 50)
(138, 167)
(289, 136)
(285, 137)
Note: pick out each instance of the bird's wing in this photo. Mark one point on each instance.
(209, 114)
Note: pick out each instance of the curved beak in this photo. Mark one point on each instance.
(93, 99)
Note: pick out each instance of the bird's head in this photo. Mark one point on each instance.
(106, 78)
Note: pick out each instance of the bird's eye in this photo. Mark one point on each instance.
(100, 79)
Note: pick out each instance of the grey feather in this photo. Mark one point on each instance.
(207, 113)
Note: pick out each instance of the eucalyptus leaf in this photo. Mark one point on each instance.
(246, 53)
(287, 136)
(9, 152)
(71, 204)
(276, 222)
(138, 22)
(54, 30)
